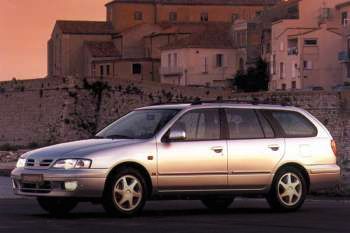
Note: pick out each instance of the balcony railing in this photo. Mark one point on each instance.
(344, 56)
(171, 71)
(293, 51)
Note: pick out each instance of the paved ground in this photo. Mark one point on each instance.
(245, 215)
(5, 188)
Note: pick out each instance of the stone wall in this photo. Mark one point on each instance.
(42, 112)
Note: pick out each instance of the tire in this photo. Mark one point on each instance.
(122, 196)
(288, 190)
(217, 204)
(57, 206)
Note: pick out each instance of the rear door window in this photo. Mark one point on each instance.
(294, 124)
(243, 124)
(200, 125)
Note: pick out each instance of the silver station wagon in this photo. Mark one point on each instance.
(208, 151)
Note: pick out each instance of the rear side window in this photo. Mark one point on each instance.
(243, 124)
(294, 124)
(203, 124)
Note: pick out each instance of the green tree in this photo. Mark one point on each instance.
(254, 79)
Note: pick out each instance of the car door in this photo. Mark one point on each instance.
(253, 149)
(198, 162)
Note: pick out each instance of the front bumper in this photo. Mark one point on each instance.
(323, 176)
(90, 182)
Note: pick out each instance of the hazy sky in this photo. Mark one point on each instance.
(25, 27)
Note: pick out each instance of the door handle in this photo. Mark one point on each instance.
(217, 149)
(274, 147)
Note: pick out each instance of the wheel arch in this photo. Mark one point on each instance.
(297, 166)
(136, 166)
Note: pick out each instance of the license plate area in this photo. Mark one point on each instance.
(32, 178)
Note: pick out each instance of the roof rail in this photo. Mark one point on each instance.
(254, 101)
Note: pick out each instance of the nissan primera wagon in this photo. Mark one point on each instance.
(211, 152)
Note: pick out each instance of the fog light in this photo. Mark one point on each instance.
(71, 185)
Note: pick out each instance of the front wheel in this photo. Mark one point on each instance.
(288, 191)
(217, 203)
(57, 206)
(125, 193)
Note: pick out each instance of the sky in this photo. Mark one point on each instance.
(26, 26)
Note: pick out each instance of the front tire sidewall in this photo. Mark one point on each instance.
(108, 200)
(273, 196)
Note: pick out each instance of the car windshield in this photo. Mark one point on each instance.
(139, 124)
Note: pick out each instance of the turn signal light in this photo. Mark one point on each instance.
(334, 147)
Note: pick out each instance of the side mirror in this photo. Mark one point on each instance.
(177, 135)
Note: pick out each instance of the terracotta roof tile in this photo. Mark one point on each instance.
(211, 35)
(85, 27)
(102, 49)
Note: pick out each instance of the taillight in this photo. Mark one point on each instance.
(334, 147)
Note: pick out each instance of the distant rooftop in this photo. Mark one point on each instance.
(102, 49)
(210, 35)
(85, 27)
(200, 2)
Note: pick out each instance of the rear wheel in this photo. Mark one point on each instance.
(57, 206)
(125, 193)
(217, 203)
(288, 191)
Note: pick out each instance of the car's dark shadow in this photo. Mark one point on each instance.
(147, 213)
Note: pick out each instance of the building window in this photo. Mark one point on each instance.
(138, 15)
(175, 59)
(136, 68)
(258, 13)
(172, 16)
(108, 71)
(281, 70)
(234, 17)
(241, 64)
(274, 64)
(293, 11)
(169, 60)
(307, 65)
(204, 17)
(348, 70)
(344, 18)
(310, 42)
(219, 60)
(284, 87)
(102, 70)
(294, 85)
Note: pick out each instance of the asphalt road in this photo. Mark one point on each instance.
(245, 215)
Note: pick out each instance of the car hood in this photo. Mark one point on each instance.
(78, 149)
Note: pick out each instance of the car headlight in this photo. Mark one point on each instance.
(21, 162)
(72, 164)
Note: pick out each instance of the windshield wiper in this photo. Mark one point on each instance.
(117, 136)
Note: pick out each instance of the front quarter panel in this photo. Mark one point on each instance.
(143, 153)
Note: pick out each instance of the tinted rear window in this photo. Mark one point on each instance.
(294, 124)
(243, 124)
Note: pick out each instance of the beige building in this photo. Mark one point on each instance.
(305, 50)
(128, 44)
(204, 58)
(343, 10)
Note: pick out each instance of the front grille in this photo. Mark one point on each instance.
(38, 163)
(36, 188)
(30, 163)
(45, 162)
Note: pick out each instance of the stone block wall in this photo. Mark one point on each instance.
(47, 111)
